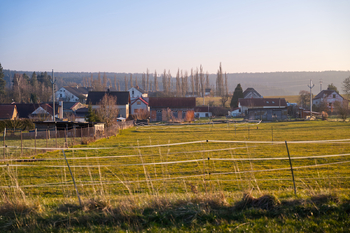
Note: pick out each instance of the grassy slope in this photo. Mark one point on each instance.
(102, 182)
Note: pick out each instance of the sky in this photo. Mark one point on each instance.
(133, 36)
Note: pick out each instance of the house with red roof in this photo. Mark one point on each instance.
(139, 105)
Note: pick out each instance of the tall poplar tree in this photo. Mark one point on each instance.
(2, 81)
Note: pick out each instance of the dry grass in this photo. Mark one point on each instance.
(265, 201)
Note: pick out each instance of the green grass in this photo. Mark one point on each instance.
(142, 189)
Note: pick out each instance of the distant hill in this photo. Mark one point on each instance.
(267, 84)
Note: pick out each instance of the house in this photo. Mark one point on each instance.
(8, 112)
(137, 92)
(235, 112)
(70, 108)
(328, 97)
(207, 91)
(122, 102)
(43, 112)
(138, 106)
(251, 93)
(25, 110)
(264, 108)
(203, 111)
(171, 108)
(72, 94)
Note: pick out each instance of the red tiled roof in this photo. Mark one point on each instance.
(263, 102)
(172, 102)
(144, 101)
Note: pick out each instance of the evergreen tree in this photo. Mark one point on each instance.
(92, 116)
(34, 80)
(237, 94)
(2, 81)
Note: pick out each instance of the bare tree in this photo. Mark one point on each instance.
(136, 83)
(169, 83)
(104, 81)
(126, 83)
(115, 81)
(131, 81)
(201, 80)
(147, 76)
(207, 85)
(155, 81)
(192, 82)
(108, 110)
(178, 86)
(226, 85)
(144, 81)
(196, 82)
(223, 100)
(164, 82)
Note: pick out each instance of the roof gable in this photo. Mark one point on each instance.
(325, 94)
(172, 102)
(94, 97)
(7, 111)
(263, 102)
(251, 93)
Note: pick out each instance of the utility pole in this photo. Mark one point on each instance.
(311, 86)
(53, 96)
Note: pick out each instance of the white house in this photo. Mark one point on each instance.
(203, 111)
(329, 97)
(137, 92)
(139, 105)
(72, 94)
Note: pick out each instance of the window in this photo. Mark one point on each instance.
(330, 104)
(333, 96)
(60, 95)
(138, 102)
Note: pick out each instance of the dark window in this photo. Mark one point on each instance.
(334, 96)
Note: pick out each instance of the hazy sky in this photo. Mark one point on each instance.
(131, 36)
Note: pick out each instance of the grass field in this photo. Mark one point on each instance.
(159, 178)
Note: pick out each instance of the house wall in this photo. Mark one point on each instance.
(137, 107)
(160, 114)
(330, 100)
(63, 94)
(202, 114)
(267, 114)
(123, 110)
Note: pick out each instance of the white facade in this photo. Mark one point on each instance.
(64, 94)
(136, 93)
(202, 114)
(329, 99)
(139, 105)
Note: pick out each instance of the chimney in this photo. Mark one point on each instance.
(60, 111)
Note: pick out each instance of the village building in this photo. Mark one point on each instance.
(122, 102)
(329, 98)
(264, 108)
(172, 108)
(72, 94)
(8, 112)
(251, 93)
(203, 111)
(139, 106)
(137, 92)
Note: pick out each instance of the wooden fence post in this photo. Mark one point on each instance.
(76, 189)
(291, 168)
(21, 144)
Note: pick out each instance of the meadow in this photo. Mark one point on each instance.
(202, 177)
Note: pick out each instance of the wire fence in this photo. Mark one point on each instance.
(176, 167)
(40, 141)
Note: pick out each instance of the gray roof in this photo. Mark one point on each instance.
(94, 97)
(77, 91)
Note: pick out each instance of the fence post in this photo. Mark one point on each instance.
(81, 135)
(291, 168)
(272, 133)
(235, 128)
(73, 135)
(35, 132)
(76, 189)
(56, 136)
(248, 132)
(4, 140)
(66, 132)
(46, 138)
(21, 144)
